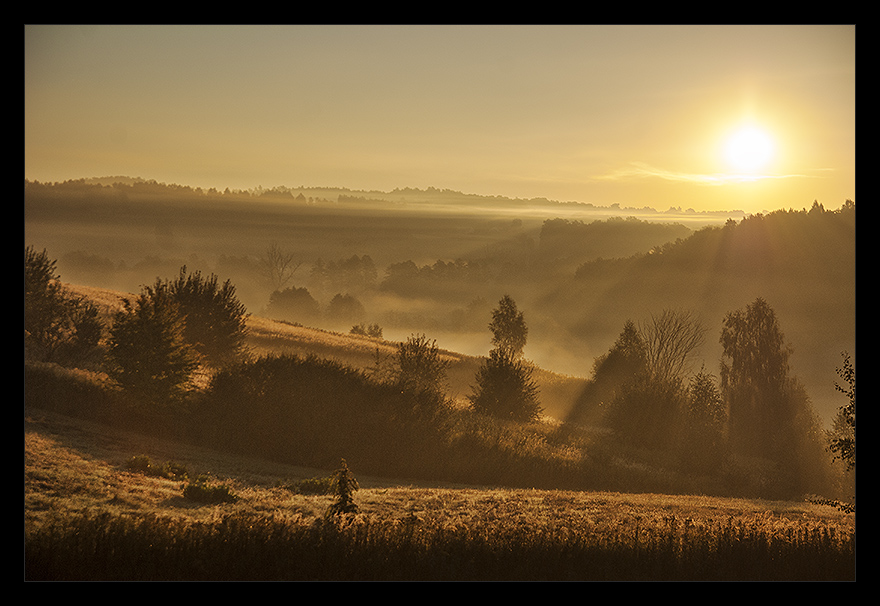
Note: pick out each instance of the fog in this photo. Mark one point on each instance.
(436, 262)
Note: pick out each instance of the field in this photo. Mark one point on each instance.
(88, 516)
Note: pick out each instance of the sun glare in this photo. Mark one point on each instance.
(749, 149)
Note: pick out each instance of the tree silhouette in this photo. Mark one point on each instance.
(505, 388)
(420, 366)
(59, 326)
(843, 441)
(343, 484)
(277, 266)
(148, 351)
(508, 326)
(215, 321)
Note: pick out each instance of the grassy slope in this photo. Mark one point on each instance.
(74, 466)
(266, 336)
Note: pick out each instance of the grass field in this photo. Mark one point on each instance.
(88, 517)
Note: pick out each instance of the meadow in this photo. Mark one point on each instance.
(88, 516)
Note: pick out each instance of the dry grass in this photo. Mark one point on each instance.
(75, 468)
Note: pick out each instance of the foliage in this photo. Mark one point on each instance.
(344, 309)
(843, 439)
(343, 485)
(203, 491)
(420, 366)
(294, 304)
(705, 424)
(505, 388)
(754, 377)
(214, 318)
(59, 326)
(508, 326)
(670, 340)
(313, 411)
(611, 371)
(646, 413)
(169, 470)
(148, 351)
(373, 330)
(312, 486)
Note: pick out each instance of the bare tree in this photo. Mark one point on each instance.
(278, 266)
(670, 340)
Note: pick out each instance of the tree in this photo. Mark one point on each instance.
(343, 485)
(420, 366)
(215, 321)
(704, 423)
(670, 341)
(344, 309)
(621, 365)
(277, 266)
(508, 326)
(505, 388)
(843, 437)
(59, 326)
(294, 304)
(754, 378)
(148, 351)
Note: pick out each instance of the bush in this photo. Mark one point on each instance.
(312, 411)
(170, 470)
(59, 326)
(202, 492)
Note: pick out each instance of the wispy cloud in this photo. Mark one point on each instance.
(639, 170)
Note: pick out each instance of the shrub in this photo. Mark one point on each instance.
(203, 492)
(170, 470)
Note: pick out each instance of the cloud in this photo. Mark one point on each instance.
(640, 170)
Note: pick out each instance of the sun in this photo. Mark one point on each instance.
(749, 149)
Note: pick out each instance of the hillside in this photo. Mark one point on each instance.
(268, 336)
(436, 262)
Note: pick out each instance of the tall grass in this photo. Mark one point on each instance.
(413, 548)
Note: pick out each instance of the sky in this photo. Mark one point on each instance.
(633, 115)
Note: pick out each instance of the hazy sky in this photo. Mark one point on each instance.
(635, 115)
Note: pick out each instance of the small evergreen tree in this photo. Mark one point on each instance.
(148, 351)
(505, 388)
(704, 423)
(343, 485)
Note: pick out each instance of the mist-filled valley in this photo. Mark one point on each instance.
(436, 262)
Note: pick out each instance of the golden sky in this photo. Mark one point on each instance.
(634, 115)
